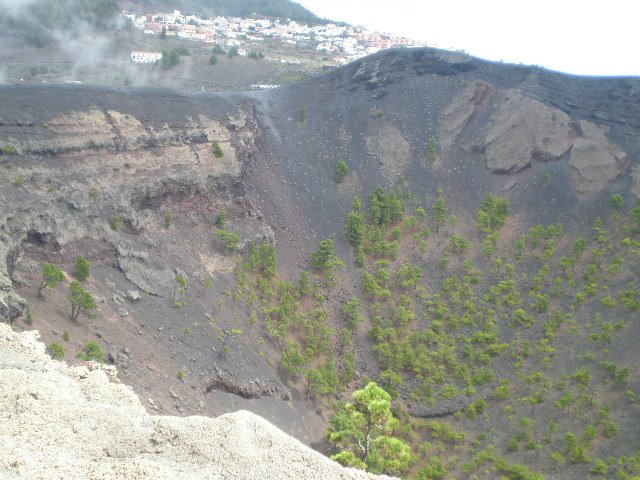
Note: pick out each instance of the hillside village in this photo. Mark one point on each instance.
(344, 42)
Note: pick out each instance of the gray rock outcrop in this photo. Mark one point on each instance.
(457, 115)
(11, 305)
(595, 161)
(392, 151)
(73, 422)
(521, 130)
(635, 176)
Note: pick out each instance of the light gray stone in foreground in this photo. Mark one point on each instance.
(58, 421)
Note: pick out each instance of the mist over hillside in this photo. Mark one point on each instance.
(81, 41)
(39, 22)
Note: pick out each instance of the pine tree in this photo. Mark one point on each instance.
(81, 268)
(439, 209)
(80, 299)
(362, 430)
(51, 276)
(355, 228)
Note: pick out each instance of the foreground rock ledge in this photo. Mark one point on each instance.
(58, 421)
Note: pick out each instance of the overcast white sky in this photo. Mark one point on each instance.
(588, 37)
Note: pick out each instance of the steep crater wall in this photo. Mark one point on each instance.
(70, 170)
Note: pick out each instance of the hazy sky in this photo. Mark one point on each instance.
(589, 37)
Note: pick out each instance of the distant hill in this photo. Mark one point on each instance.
(240, 8)
(39, 22)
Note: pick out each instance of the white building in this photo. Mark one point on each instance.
(146, 57)
(325, 47)
(139, 22)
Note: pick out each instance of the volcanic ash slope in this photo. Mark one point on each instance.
(58, 421)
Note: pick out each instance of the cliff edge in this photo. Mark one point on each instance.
(60, 421)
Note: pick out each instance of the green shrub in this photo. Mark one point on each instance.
(116, 222)
(476, 407)
(229, 240)
(8, 149)
(81, 268)
(217, 150)
(435, 469)
(582, 376)
(609, 428)
(445, 432)
(28, 316)
(492, 214)
(292, 361)
(304, 113)
(172, 58)
(432, 149)
(599, 467)
(616, 200)
(359, 257)
(51, 276)
(178, 289)
(81, 300)
(351, 309)
(502, 391)
(220, 218)
(325, 258)
(341, 171)
(91, 351)
(512, 444)
(355, 227)
(384, 208)
(634, 216)
(262, 259)
(55, 350)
